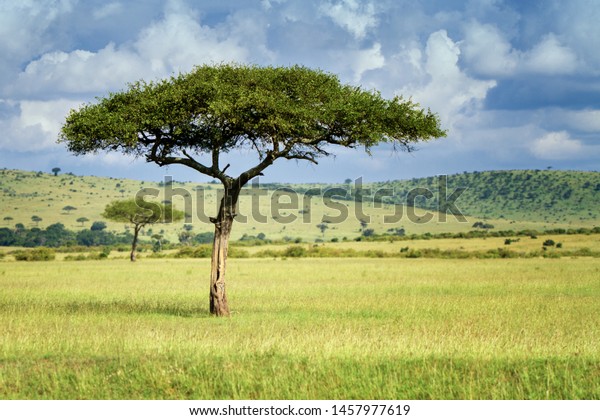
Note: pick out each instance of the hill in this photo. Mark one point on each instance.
(524, 195)
(502, 199)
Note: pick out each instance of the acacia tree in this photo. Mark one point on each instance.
(140, 213)
(69, 209)
(278, 112)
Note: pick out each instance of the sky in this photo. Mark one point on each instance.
(515, 83)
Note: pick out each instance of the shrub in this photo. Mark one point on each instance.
(204, 237)
(78, 257)
(295, 251)
(98, 226)
(197, 252)
(549, 242)
(36, 254)
(206, 252)
(413, 253)
(235, 252)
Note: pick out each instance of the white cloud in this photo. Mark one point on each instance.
(23, 23)
(174, 44)
(359, 61)
(550, 57)
(179, 42)
(445, 87)
(487, 51)
(80, 72)
(557, 146)
(355, 17)
(36, 125)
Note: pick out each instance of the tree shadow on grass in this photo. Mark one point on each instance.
(178, 309)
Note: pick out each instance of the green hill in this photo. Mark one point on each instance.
(524, 195)
(505, 199)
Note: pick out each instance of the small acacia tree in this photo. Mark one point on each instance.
(139, 214)
(279, 112)
(69, 209)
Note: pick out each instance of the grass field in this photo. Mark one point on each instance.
(317, 329)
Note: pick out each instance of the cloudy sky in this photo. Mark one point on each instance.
(516, 83)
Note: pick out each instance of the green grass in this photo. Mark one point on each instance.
(316, 329)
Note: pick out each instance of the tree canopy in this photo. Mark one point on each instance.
(141, 212)
(279, 112)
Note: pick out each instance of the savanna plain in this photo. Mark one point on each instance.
(302, 328)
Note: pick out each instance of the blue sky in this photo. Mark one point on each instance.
(516, 83)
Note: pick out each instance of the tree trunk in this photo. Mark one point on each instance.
(136, 231)
(223, 223)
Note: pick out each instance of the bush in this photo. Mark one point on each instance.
(413, 253)
(206, 252)
(194, 252)
(98, 226)
(549, 242)
(235, 252)
(37, 254)
(295, 252)
(78, 257)
(204, 237)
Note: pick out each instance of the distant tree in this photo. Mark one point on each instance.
(36, 220)
(69, 209)
(55, 171)
(280, 113)
(348, 181)
(481, 225)
(140, 214)
(368, 232)
(98, 226)
(363, 224)
(204, 238)
(323, 227)
(19, 227)
(8, 219)
(82, 220)
(157, 247)
(185, 237)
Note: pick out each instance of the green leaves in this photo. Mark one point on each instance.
(141, 212)
(290, 112)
